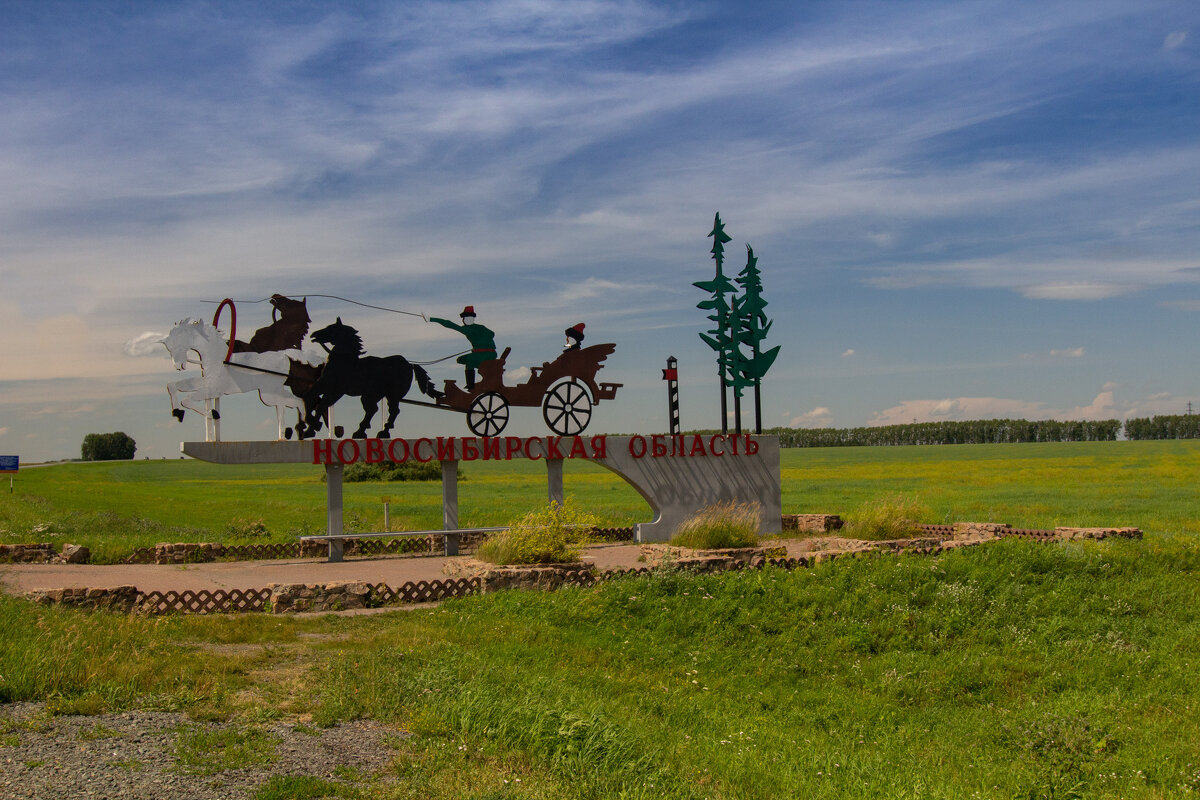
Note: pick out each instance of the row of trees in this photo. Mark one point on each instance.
(1178, 426)
(981, 431)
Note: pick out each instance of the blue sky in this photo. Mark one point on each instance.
(961, 209)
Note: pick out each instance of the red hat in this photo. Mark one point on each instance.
(468, 311)
(575, 332)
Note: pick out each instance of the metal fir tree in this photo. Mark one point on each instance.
(719, 338)
(752, 328)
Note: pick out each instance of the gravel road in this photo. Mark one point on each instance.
(132, 756)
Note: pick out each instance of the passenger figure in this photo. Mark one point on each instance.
(574, 337)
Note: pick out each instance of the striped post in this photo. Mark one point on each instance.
(671, 376)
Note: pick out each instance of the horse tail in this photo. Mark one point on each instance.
(424, 382)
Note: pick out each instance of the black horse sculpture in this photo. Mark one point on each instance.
(348, 372)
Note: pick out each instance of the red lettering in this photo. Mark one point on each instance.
(712, 445)
(445, 448)
(341, 451)
(530, 453)
(512, 446)
(416, 450)
(677, 446)
(552, 450)
(599, 447)
(637, 446)
(469, 451)
(374, 451)
(658, 448)
(733, 441)
(751, 446)
(322, 451)
(697, 446)
(491, 448)
(391, 450)
(578, 449)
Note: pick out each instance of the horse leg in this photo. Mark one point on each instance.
(393, 410)
(370, 404)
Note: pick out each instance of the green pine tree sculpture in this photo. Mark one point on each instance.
(753, 327)
(719, 338)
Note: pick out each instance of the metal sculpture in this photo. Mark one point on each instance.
(483, 343)
(565, 388)
(289, 324)
(372, 378)
(740, 322)
(265, 373)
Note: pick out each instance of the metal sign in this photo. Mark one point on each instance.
(9, 464)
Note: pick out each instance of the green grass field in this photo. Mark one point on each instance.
(114, 507)
(1010, 670)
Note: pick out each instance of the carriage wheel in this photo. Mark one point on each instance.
(488, 414)
(567, 408)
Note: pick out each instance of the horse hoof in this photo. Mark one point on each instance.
(216, 414)
(287, 433)
(359, 435)
(177, 414)
(383, 435)
(339, 431)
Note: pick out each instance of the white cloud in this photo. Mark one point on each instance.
(959, 408)
(3, 430)
(1073, 352)
(848, 353)
(1102, 407)
(1174, 39)
(1181, 305)
(1076, 290)
(819, 417)
(515, 376)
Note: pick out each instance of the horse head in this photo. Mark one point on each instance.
(188, 335)
(289, 310)
(338, 338)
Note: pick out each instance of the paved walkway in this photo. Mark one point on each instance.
(392, 570)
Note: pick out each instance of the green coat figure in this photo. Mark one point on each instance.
(483, 342)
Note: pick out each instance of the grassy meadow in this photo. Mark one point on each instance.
(1012, 670)
(115, 506)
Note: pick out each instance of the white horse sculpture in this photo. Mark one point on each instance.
(264, 373)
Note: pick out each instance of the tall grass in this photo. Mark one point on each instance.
(719, 526)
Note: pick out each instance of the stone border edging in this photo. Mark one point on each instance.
(479, 578)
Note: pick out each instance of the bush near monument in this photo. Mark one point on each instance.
(720, 526)
(553, 535)
(117, 446)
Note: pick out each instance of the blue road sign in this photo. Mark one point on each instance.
(9, 463)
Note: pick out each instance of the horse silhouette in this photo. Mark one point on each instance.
(372, 378)
(284, 333)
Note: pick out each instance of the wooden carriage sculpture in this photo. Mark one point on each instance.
(565, 388)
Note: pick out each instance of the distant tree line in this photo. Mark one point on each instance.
(978, 431)
(1177, 426)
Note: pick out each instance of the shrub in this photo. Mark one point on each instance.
(551, 536)
(891, 517)
(247, 528)
(720, 526)
(362, 472)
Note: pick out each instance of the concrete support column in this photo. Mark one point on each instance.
(554, 480)
(450, 506)
(333, 495)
